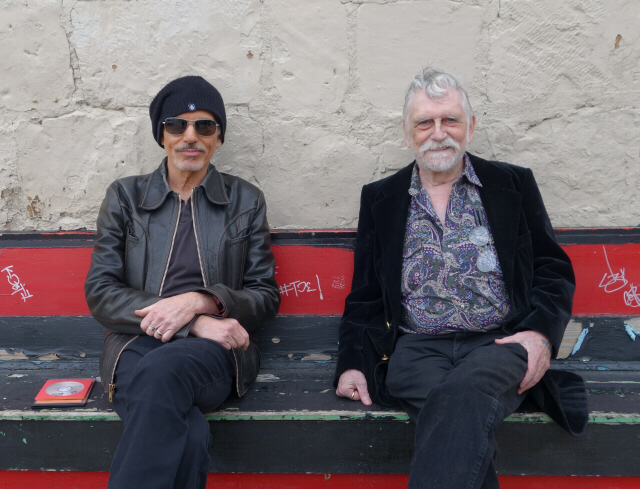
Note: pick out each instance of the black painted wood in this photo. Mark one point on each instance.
(298, 336)
(365, 446)
(298, 355)
(598, 235)
(322, 238)
(298, 446)
(290, 388)
(608, 340)
(71, 336)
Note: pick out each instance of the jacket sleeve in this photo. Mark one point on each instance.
(364, 306)
(553, 282)
(110, 301)
(259, 298)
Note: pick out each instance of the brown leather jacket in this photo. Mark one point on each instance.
(136, 228)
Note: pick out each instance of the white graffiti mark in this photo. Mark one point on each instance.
(299, 287)
(631, 298)
(15, 283)
(612, 282)
(338, 283)
(611, 279)
(296, 288)
(321, 298)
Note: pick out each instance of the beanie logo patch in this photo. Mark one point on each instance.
(192, 107)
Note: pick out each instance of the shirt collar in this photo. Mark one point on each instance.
(467, 172)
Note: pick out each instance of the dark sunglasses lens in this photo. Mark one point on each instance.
(205, 127)
(175, 126)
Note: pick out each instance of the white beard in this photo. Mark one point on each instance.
(443, 163)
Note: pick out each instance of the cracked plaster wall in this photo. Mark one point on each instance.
(314, 93)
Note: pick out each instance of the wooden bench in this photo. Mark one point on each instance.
(291, 425)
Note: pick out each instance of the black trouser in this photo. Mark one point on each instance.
(457, 388)
(162, 391)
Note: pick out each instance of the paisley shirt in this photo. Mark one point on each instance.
(443, 290)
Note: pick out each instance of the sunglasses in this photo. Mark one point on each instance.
(203, 127)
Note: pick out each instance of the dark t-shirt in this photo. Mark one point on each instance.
(184, 274)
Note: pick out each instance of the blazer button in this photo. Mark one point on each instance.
(385, 358)
(388, 325)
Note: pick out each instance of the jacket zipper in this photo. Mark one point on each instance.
(112, 385)
(173, 239)
(195, 233)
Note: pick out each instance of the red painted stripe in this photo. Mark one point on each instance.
(607, 279)
(313, 280)
(54, 277)
(98, 480)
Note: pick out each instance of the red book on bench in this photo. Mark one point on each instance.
(64, 393)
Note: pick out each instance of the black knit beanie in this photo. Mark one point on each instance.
(182, 95)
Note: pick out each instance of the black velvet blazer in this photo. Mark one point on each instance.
(537, 273)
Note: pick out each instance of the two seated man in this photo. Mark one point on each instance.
(459, 299)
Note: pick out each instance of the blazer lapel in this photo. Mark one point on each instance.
(503, 205)
(390, 215)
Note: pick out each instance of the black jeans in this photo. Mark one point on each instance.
(457, 388)
(162, 391)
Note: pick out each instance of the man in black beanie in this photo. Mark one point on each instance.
(181, 274)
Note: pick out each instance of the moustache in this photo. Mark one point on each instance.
(188, 146)
(432, 145)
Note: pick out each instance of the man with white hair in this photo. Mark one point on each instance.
(460, 296)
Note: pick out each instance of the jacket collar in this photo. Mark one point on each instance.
(157, 187)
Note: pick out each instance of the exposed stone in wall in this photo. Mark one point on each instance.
(35, 62)
(395, 40)
(310, 54)
(65, 162)
(314, 93)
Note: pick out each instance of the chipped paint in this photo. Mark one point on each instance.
(612, 382)
(316, 357)
(58, 415)
(631, 332)
(578, 344)
(233, 414)
(18, 355)
(267, 378)
(571, 335)
(48, 356)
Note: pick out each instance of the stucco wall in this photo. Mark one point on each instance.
(314, 92)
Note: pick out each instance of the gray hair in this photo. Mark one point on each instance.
(435, 84)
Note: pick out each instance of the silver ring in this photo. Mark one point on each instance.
(158, 332)
(152, 329)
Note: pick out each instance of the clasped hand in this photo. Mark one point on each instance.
(539, 352)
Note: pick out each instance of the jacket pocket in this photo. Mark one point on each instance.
(237, 254)
(241, 236)
(524, 240)
(134, 259)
